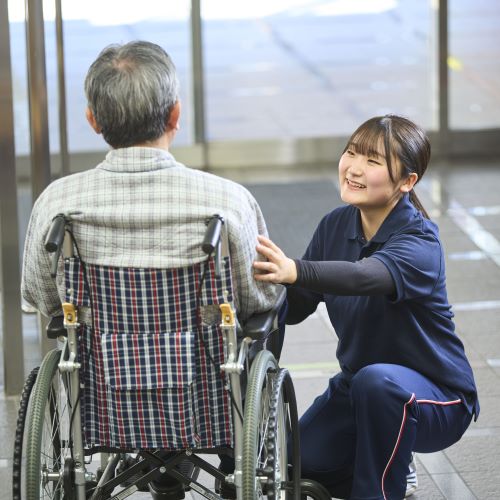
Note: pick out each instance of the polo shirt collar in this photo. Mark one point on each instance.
(399, 216)
(137, 159)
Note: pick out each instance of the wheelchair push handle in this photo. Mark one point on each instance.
(212, 234)
(55, 236)
(54, 241)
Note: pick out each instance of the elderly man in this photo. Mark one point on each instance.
(135, 208)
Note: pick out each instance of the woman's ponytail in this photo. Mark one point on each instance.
(416, 202)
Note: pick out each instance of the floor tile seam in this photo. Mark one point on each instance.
(429, 460)
(469, 224)
(459, 473)
(451, 494)
(466, 222)
(476, 305)
(443, 461)
(455, 473)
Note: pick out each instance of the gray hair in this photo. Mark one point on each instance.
(131, 90)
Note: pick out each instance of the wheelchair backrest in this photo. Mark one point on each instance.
(146, 349)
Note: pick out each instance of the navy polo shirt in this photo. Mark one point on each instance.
(413, 328)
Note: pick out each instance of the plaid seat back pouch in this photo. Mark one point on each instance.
(147, 379)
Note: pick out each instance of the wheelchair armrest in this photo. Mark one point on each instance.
(260, 324)
(55, 328)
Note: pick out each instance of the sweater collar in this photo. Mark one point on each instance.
(137, 159)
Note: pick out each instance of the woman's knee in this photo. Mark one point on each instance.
(370, 378)
(375, 382)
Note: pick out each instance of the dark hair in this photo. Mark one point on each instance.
(131, 90)
(403, 140)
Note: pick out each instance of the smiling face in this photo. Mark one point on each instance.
(364, 177)
(383, 160)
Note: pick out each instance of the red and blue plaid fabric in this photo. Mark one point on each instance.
(147, 379)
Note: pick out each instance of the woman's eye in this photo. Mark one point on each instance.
(350, 152)
(375, 162)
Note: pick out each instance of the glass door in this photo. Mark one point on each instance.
(285, 69)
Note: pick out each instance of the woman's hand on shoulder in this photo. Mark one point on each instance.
(278, 268)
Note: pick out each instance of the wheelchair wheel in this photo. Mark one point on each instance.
(48, 443)
(269, 417)
(314, 490)
(18, 465)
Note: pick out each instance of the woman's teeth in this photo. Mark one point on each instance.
(355, 184)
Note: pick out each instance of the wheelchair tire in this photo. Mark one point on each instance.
(292, 437)
(17, 462)
(48, 442)
(314, 490)
(266, 426)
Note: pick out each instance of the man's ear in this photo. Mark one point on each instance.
(174, 117)
(409, 182)
(92, 121)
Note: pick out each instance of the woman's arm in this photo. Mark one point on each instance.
(365, 277)
(301, 303)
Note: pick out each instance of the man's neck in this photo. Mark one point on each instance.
(162, 142)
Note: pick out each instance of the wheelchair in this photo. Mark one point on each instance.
(153, 373)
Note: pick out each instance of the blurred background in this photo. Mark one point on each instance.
(275, 71)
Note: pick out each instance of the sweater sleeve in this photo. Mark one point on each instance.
(365, 277)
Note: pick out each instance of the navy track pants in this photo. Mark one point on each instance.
(357, 437)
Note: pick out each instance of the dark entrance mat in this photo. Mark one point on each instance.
(292, 211)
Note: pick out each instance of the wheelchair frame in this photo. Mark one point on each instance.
(261, 426)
